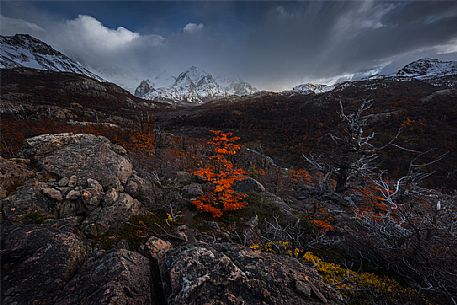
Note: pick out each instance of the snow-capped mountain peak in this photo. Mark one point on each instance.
(193, 85)
(427, 68)
(23, 50)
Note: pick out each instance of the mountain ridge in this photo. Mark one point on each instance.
(23, 50)
(195, 85)
(428, 67)
(430, 70)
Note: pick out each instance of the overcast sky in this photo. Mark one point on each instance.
(273, 45)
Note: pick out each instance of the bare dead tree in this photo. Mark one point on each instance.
(417, 236)
(328, 170)
(354, 156)
(393, 191)
(418, 240)
(276, 230)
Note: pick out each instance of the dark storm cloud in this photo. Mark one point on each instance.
(320, 40)
(272, 45)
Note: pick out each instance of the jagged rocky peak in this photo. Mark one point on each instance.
(23, 50)
(206, 80)
(193, 85)
(144, 87)
(193, 74)
(428, 67)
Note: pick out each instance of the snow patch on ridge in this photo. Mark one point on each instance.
(22, 50)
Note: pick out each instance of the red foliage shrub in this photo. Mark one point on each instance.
(221, 174)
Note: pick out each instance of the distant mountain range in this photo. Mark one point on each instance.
(430, 70)
(193, 86)
(22, 50)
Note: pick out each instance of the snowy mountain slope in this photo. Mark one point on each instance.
(236, 87)
(22, 50)
(428, 68)
(193, 86)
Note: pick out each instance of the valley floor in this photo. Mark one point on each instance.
(98, 193)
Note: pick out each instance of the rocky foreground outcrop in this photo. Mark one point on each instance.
(76, 175)
(70, 190)
(231, 274)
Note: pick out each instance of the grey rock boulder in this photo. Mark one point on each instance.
(157, 247)
(72, 181)
(142, 189)
(52, 193)
(273, 202)
(63, 182)
(73, 195)
(93, 194)
(82, 155)
(112, 217)
(111, 196)
(231, 274)
(193, 189)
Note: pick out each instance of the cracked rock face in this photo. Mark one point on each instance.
(12, 174)
(37, 260)
(118, 277)
(231, 274)
(51, 264)
(82, 155)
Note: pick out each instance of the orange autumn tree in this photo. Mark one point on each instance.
(221, 175)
